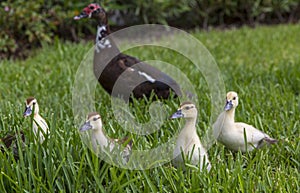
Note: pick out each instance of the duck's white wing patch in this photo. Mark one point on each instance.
(147, 76)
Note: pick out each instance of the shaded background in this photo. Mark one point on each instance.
(25, 24)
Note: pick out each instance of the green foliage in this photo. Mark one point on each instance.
(219, 12)
(262, 65)
(21, 23)
(26, 24)
(149, 11)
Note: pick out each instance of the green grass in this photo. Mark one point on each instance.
(262, 65)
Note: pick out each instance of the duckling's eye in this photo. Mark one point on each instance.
(187, 108)
(234, 98)
(95, 119)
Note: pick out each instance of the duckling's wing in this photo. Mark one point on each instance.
(253, 135)
(42, 124)
(119, 145)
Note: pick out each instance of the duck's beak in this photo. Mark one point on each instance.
(86, 126)
(81, 15)
(177, 114)
(27, 112)
(228, 105)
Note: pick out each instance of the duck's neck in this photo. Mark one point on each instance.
(40, 128)
(229, 115)
(41, 121)
(105, 50)
(100, 140)
(190, 126)
(102, 42)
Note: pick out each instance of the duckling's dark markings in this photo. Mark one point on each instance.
(188, 107)
(29, 99)
(96, 118)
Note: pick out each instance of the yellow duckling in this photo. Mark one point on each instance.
(100, 141)
(232, 134)
(40, 127)
(188, 141)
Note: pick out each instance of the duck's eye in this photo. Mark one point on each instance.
(187, 108)
(95, 119)
(234, 98)
(92, 7)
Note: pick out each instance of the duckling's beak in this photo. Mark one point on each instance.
(80, 16)
(177, 114)
(86, 126)
(27, 112)
(228, 105)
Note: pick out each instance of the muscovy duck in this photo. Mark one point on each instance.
(108, 70)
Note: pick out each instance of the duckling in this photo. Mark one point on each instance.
(232, 134)
(9, 141)
(40, 127)
(99, 140)
(188, 140)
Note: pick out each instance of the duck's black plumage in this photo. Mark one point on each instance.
(111, 66)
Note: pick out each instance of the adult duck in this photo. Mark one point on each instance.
(140, 79)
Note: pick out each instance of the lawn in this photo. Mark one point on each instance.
(261, 64)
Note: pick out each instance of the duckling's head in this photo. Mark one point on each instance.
(93, 121)
(186, 110)
(94, 11)
(231, 101)
(30, 104)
